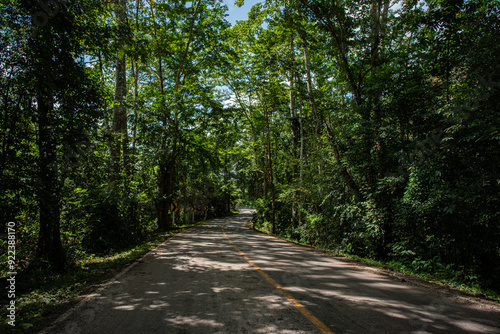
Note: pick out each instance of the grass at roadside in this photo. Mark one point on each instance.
(440, 276)
(42, 294)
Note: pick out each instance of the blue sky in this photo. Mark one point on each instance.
(239, 13)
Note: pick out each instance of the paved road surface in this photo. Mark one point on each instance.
(199, 282)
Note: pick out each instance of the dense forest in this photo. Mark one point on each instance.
(365, 127)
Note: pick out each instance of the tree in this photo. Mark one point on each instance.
(120, 142)
(190, 38)
(61, 99)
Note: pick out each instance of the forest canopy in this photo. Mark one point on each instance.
(369, 128)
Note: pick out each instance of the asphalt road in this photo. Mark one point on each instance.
(201, 281)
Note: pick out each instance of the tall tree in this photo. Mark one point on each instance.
(185, 42)
(65, 100)
(119, 145)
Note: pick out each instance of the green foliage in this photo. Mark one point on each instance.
(96, 210)
(406, 164)
(368, 130)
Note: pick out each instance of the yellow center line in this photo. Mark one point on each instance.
(321, 326)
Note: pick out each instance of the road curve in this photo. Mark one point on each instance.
(205, 280)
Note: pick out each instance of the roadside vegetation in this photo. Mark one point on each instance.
(42, 293)
(368, 128)
(428, 271)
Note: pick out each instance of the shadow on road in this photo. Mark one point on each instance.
(197, 283)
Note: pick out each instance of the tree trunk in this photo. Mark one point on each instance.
(164, 164)
(168, 161)
(104, 102)
(294, 126)
(378, 11)
(227, 178)
(49, 238)
(310, 93)
(135, 73)
(49, 246)
(301, 167)
(5, 132)
(271, 176)
(167, 172)
(312, 103)
(119, 146)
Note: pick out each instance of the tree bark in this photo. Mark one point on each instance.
(312, 103)
(49, 238)
(135, 73)
(119, 147)
(271, 176)
(293, 126)
(301, 167)
(310, 93)
(379, 11)
(167, 171)
(104, 102)
(5, 133)
(49, 246)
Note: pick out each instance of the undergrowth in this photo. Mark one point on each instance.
(429, 271)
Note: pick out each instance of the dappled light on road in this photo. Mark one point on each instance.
(196, 282)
